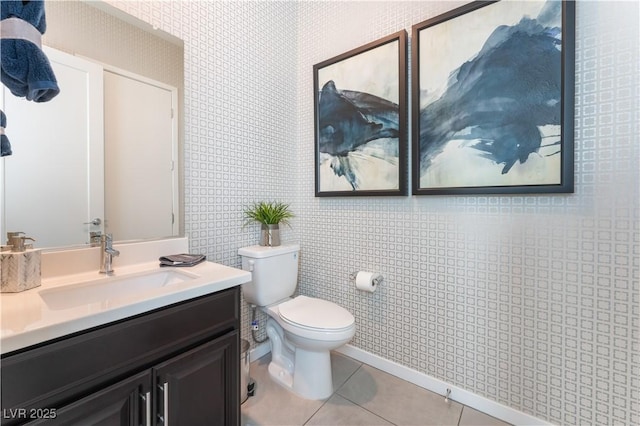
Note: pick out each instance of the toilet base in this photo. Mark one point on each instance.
(304, 372)
(312, 377)
(281, 375)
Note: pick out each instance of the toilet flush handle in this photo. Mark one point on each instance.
(250, 263)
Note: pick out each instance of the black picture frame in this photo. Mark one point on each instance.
(493, 99)
(360, 112)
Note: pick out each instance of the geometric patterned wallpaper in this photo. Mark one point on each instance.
(531, 301)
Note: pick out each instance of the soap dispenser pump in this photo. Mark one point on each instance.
(20, 267)
(17, 241)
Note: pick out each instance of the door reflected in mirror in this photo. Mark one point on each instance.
(105, 155)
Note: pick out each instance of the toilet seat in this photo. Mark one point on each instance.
(315, 314)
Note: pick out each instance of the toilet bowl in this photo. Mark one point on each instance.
(300, 349)
(302, 330)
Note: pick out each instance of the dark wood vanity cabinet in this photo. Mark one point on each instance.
(178, 365)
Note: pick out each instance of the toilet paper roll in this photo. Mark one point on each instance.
(366, 281)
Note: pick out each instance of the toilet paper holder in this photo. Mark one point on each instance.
(376, 281)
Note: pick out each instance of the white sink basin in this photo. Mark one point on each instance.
(107, 291)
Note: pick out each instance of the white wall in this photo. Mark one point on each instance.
(531, 301)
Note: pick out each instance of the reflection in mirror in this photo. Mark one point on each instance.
(104, 156)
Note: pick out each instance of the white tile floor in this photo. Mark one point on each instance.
(363, 395)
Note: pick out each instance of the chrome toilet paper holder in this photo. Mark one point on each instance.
(376, 281)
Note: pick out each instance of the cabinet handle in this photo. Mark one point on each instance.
(166, 403)
(164, 417)
(147, 407)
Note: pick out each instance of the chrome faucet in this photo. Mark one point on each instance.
(106, 254)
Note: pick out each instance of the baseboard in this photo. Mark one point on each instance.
(460, 395)
(259, 351)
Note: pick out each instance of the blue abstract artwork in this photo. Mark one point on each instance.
(360, 120)
(488, 98)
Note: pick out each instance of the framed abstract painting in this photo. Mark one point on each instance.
(493, 99)
(361, 120)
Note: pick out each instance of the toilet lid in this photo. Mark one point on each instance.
(315, 313)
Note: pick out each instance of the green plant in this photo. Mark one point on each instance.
(268, 213)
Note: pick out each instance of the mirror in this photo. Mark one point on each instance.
(136, 63)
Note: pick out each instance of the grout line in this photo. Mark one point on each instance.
(316, 412)
(350, 376)
(353, 402)
(461, 411)
(335, 392)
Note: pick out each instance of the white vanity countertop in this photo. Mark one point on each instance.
(27, 319)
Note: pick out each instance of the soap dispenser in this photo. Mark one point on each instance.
(19, 264)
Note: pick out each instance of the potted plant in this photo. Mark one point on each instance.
(270, 215)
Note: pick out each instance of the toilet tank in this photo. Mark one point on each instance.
(274, 273)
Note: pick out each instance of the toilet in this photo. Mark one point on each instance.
(302, 330)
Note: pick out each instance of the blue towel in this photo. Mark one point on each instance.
(26, 71)
(5, 146)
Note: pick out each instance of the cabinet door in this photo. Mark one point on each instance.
(200, 387)
(127, 403)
